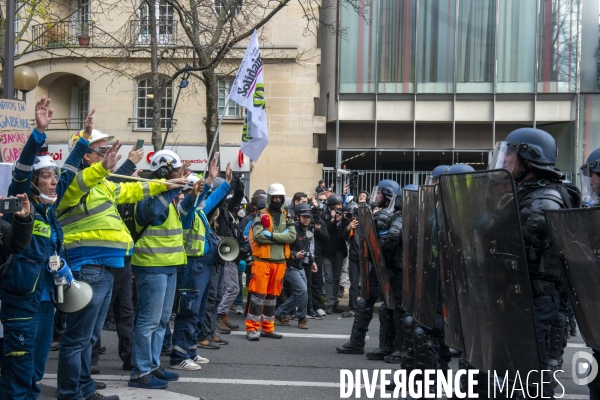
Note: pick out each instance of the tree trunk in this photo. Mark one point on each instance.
(211, 84)
(157, 88)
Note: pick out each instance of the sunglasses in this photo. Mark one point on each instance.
(101, 150)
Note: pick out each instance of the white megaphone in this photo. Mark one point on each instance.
(75, 297)
(228, 249)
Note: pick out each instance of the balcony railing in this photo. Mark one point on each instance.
(70, 124)
(166, 33)
(63, 34)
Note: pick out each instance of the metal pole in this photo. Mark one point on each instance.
(212, 147)
(8, 72)
(182, 84)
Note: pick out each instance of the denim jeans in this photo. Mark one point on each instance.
(155, 293)
(299, 297)
(82, 330)
(31, 333)
(231, 287)
(193, 286)
(208, 321)
(332, 266)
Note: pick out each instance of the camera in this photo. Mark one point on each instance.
(306, 259)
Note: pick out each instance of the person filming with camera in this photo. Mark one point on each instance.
(300, 256)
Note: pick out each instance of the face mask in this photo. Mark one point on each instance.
(46, 198)
(241, 214)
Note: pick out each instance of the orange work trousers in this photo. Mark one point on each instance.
(265, 285)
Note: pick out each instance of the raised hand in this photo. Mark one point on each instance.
(228, 173)
(43, 114)
(111, 158)
(135, 156)
(177, 182)
(213, 170)
(26, 208)
(198, 188)
(183, 171)
(88, 125)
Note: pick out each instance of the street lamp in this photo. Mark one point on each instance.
(25, 79)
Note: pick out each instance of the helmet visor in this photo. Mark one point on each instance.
(505, 156)
(382, 198)
(589, 196)
(432, 180)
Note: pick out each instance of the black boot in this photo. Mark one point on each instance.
(356, 345)
(385, 322)
(408, 351)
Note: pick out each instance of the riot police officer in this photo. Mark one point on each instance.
(388, 224)
(529, 154)
(590, 180)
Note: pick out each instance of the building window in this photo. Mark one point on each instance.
(233, 110)
(83, 100)
(145, 103)
(165, 25)
(221, 4)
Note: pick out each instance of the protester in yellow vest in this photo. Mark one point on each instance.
(200, 244)
(157, 255)
(270, 238)
(95, 242)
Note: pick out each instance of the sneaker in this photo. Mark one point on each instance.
(303, 324)
(340, 292)
(239, 310)
(99, 385)
(337, 309)
(94, 368)
(272, 335)
(99, 396)
(219, 341)
(312, 314)
(160, 373)
(101, 350)
(348, 314)
(54, 346)
(283, 321)
(186, 365)
(200, 360)
(252, 336)
(148, 382)
(208, 344)
(321, 312)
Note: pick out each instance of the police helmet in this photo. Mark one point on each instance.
(535, 145)
(334, 199)
(303, 209)
(459, 168)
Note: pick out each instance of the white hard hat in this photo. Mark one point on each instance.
(44, 162)
(276, 189)
(96, 136)
(191, 181)
(165, 158)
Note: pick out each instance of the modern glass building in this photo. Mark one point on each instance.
(417, 83)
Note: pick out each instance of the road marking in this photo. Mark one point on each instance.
(119, 387)
(578, 345)
(304, 335)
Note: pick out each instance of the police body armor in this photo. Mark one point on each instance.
(534, 197)
(491, 277)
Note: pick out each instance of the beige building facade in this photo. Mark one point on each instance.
(78, 78)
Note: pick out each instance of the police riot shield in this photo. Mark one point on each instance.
(367, 227)
(410, 218)
(427, 267)
(363, 263)
(453, 335)
(490, 271)
(576, 237)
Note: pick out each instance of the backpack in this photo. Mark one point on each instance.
(127, 213)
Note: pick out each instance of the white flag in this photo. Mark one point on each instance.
(248, 90)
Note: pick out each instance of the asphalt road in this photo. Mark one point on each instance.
(302, 365)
